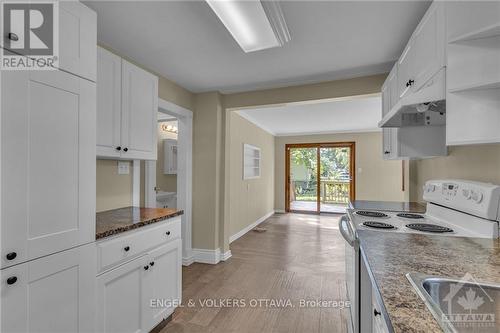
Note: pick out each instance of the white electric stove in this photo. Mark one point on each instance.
(455, 208)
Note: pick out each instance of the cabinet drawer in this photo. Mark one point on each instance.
(127, 246)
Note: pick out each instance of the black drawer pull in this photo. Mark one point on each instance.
(376, 313)
(11, 256)
(118, 148)
(125, 149)
(168, 233)
(152, 263)
(126, 248)
(146, 268)
(12, 280)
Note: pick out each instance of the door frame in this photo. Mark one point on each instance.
(352, 167)
(184, 174)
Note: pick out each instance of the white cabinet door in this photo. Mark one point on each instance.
(51, 294)
(386, 99)
(393, 86)
(77, 39)
(47, 163)
(109, 85)
(139, 110)
(166, 267)
(429, 44)
(406, 76)
(122, 296)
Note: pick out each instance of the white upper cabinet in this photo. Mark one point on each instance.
(424, 54)
(77, 39)
(127, 104)
(47, 163)
(139, 112)
(428, 41)
(51, 294)
(109, 80)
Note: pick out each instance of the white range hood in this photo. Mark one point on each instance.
(424, 107)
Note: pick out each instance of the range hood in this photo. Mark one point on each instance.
(425, 107)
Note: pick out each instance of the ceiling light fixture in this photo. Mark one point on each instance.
(255, 25)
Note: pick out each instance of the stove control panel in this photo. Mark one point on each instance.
(479, 199)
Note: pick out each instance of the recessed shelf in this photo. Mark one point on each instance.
(486, 32)
(476, 86)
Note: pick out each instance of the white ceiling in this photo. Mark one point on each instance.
(185, 41)
(353, 115)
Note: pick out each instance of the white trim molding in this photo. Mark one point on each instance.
(250, 227)
(205, 256)
(213, 257)
(226, 255)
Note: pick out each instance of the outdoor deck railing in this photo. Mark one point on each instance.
(331, 191)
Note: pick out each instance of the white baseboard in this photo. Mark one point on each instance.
(212, 257)
(207, 256)
(250, 227)
(280, 211)
(226, 255)
(186, 261)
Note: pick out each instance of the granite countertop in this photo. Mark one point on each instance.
(396, 206)
(115, 221)
(392, 255)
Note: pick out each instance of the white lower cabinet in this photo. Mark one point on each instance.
(55, 293)
(166, 271)
(122, 297)
(379, 325)
(139, 294)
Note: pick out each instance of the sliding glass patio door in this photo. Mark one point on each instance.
(320, 177)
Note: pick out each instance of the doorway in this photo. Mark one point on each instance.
(320, 177)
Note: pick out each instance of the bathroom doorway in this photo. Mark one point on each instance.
(174, 166)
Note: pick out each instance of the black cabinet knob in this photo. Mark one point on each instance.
(411, 82)
(168, 233)
(152, 263)
(146, 268)
(12, 36)
(11, 256)
(126, 248)
(125, 149)
(12, 280)
(387, 152)
(376, 313)
(118, 148)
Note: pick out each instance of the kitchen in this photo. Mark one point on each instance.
(101, 231)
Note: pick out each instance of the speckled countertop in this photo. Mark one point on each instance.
(411, 207)
(392, 255)
(112, 222)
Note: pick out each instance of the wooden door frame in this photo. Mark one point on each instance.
(352, 168)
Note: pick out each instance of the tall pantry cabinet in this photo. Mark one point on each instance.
(47, 179)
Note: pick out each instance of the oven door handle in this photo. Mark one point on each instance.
(345, 230)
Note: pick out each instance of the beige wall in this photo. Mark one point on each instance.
(477, 162)
(378, 179)
(112, 190)
(250, 199)
(207, 164)
(167, 183)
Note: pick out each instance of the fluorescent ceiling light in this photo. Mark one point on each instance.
(255, 25)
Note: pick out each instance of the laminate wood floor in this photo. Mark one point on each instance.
(299, 257)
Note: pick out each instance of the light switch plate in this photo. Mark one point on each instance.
(123, 168)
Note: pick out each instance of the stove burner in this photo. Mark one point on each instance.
(410, 216)
(370, 213)
(378, 225)
(428, 227)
